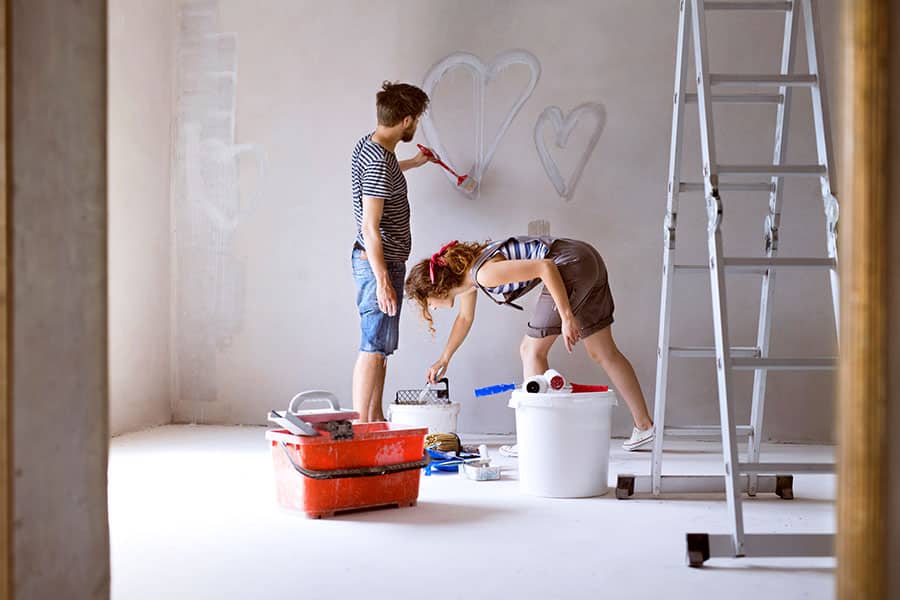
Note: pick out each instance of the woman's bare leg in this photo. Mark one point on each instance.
(603, 350)
(534, 352)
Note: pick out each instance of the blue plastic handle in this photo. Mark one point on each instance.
(495, 389)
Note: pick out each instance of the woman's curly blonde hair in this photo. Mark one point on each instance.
(449, 272)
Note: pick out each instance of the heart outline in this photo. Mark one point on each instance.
(482, 75)
(563, 127)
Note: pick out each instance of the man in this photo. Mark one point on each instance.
(383, 240)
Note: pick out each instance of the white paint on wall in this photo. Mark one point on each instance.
(562, 130)
(209, 205)
(482, 75)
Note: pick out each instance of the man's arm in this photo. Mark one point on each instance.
(371, 232)
(411, 163)
(418, 160)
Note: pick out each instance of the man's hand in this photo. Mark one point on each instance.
(387, 297)
(426, 155)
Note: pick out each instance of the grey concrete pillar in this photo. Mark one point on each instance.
(58, 260)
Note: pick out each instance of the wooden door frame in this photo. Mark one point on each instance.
(5, 303)
(863, 374)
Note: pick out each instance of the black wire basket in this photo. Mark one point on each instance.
(439, 393)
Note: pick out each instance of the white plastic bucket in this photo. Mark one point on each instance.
(563, 442)
(438, 418)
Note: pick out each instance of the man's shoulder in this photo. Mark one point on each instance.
(368, 153)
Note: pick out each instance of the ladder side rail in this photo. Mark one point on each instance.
(824, 148)
(668, 271)
(772, 229)
(717, 276)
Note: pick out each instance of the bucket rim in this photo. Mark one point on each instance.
(520, 399)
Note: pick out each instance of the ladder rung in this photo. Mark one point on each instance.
(782, 6)
(763, 264)
(784, 468)
(696, 269)
(729, 187)
(710, 351)
(770, 169)
(784, 364)
(734, 79)
(740, 98)
(704, 431)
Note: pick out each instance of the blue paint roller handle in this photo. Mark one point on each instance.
(494, 389)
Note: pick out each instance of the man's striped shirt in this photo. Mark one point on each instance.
(376, 173)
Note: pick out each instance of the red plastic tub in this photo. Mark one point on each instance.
(319, 476)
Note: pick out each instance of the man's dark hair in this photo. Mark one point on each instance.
(396, 101)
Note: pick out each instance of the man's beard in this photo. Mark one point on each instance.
(408, 134)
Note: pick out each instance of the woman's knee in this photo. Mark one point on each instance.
(533, 349)
(603, 353)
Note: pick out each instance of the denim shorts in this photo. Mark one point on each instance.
(380, 332)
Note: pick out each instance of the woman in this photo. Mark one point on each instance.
(575, 303)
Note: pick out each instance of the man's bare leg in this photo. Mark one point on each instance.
(376, 400)
(368, 373)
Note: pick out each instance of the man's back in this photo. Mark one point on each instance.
(375, 172)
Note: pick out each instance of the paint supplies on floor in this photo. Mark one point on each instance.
(429, 406)
(443, 442)
(469, 465)
(480, 469)
(325, 464)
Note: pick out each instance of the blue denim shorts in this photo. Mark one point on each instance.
(380, 333)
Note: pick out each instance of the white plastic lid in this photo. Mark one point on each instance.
(562, 399)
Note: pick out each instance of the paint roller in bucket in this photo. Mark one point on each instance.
(464, 181)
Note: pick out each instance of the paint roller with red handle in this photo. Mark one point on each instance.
(463, 181)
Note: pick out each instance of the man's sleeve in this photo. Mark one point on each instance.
(375, 180)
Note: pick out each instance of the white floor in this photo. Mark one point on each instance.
(193, 516)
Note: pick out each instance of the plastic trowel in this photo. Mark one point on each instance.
(312, 421)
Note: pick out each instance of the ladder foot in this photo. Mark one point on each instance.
(697, 549)
(624, 487)
(784, 486)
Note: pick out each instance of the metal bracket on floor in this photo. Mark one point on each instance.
(703, 546)
(628, 485)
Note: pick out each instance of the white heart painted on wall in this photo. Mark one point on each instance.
(563, 127)
(482, 75)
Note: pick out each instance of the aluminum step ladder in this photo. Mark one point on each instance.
(751, 476)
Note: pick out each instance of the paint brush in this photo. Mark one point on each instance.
(464, 181)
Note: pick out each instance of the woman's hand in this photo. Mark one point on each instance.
(436, 370)
(570, 332)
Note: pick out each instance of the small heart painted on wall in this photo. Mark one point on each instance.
(563, 127)
(482, 75)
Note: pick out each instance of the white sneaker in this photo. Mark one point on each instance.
(639, 438)
(511, 451)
